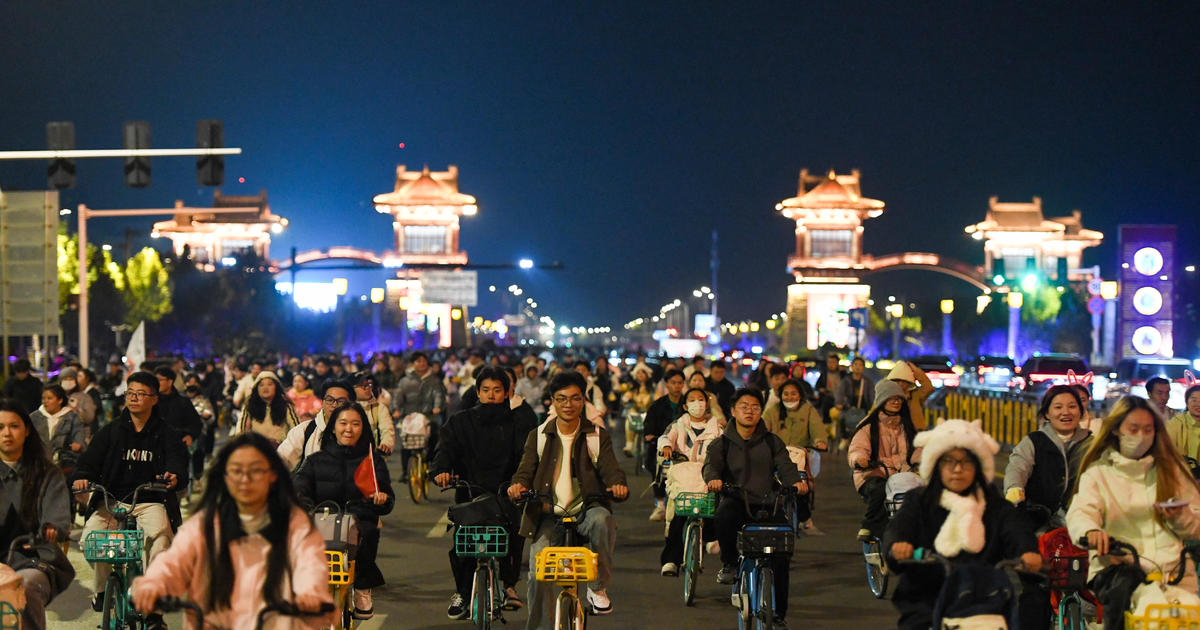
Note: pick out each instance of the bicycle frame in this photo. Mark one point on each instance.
(754, 592)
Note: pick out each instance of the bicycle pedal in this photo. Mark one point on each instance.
(735, 600)
(874, 558)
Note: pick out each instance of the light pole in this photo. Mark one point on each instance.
(1109, 291)
(896, 311)
(1015, 300)
(947, 340)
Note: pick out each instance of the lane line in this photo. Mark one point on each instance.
(439, 528)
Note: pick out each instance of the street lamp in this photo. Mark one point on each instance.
(897, 312)
(947, 311)
(525, 263)
(1016, 300)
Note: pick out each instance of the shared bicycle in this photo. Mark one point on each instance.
(418, 469)
(340, 546)
(695, 507)
(486, 544)
(566, 566)
(759, 545)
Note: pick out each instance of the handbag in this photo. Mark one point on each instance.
(337, 527)
(48, 558)
(485, 509)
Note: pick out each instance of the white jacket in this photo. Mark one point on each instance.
(294, 447)
(1117, 494)
(677, 434)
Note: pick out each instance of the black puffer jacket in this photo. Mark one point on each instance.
(483, 445)
(328, 475)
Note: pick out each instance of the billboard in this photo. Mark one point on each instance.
(450, 287)
(29, 263)
(1147, 282)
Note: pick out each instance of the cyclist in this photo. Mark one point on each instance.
(1129, 471)
(331, 474)
(689, 436)
(1044, 466)
(659, 416)
(962, 517)
(305, 438)
(749, 455)
(799, 425)
(637, 400)
(60, 428)
(367, 392)
(698, 381)
(884, 436)
(1184, 428)
(575, 466)
(268, 410)
(483, 446)
(917, 387)
(272, 553)
(33, 496)
(135, 448)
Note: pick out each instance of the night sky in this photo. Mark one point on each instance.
(615, 136)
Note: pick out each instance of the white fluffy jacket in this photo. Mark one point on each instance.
(676, 438)
(1117, 494)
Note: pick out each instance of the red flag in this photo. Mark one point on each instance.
(364, 475)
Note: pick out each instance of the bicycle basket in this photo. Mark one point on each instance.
(566, 564)
(481, 541)
(114, 546)
(413, 441)
(10, 618)
(695, 504)
(341, 568)
(760, 541)
(636, 422)
(1068, 572)
(1164, 617)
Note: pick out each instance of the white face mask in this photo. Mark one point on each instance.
(695, 408)
(1135, 446)
(791, 404)
(68, 385)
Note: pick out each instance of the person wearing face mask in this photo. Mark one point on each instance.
(961, 516)
(482, 445)
(688, 436)
(698, 381)
(882, 445)
(82, 403)
(1044, 466)
(1135, 487)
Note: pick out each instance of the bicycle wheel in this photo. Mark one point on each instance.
(766, 599)
(691, 561)
(1070, 614)
(567, 610)
(877, 577)
(481, 600)
(742, 593)
(416, 477)
(115, 607)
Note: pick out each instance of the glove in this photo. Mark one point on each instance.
(1015, 495)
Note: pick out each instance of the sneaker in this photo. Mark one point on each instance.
(457, 608)
(811, 529)
(98, 602)
(779, 623)
(511, 600)
(864, 535)
(364, 604)
(155, 622)
(728, 574)
(659, 513)
(713, 547)
(670, 569)
(601, 605)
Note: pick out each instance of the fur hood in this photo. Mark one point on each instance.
(953, 434)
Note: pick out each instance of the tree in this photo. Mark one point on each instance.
(146, 288)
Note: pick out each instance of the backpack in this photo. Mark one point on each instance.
(593, 441)
(308, 431)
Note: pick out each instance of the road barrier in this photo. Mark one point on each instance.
(1006, 417)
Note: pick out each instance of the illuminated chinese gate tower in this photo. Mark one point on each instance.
(829, 211)
(425, 207)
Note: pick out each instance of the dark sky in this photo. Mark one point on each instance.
(615, 136)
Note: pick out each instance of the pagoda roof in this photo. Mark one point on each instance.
(1027, 217)
(425, 188)
(832, 192)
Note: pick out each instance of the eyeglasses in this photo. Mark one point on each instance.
(748, 407)
(254, 474)
(136, 395)
(564, 400)
(952, 463)
(329, 400)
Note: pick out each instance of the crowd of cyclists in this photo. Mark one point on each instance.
(245, 448)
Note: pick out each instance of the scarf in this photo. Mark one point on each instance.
(963, 527)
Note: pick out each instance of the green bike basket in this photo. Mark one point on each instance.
(481, 541)
(114, 546)
(695, 504)
(10, 619)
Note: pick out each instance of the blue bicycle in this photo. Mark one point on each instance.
(758, 544)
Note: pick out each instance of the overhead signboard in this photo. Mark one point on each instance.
(459, 288)
(29, 263)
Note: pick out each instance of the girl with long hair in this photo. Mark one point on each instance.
(268, 410)
(1134, 486)
(883, 444)
(249, 545)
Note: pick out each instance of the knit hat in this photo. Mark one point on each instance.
(902, 372)
(885, 390)
(68, 372)
(952, 434)
(266, 374)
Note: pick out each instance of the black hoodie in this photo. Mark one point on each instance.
(483, 445)
(751, 464)
(121, 458)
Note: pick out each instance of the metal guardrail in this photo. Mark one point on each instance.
(1006, 417)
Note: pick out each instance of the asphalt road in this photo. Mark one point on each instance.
(828, 587)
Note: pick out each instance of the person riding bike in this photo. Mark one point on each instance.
(1044, 466)
(659, 416)
(963, 518)
(750, 456)
(271, 554)
(1134, 486)
(483, 446)
(689, 438)
(575, 467)
(33, 501)
(882, 445)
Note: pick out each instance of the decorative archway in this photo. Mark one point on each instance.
(924, 261)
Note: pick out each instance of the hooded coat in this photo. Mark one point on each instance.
(888, 442)
(751, 464)
(483, 445)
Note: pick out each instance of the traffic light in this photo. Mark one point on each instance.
(137, 169)
(60, 136)
(998, 271)
(210, 169)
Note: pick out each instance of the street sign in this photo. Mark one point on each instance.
(29, 263)
(858, 317)
(1096, 305)
(449, 287)
(1094, 285)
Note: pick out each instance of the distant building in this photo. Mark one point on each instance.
(216, 236)
(425, 208)
(1018, 235)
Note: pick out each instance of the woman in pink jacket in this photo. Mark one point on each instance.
(882, 445)
(274, 556)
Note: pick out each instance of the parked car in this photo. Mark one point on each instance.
(992, 372)
(939, 368)
(1043, 370)
(1130, 375)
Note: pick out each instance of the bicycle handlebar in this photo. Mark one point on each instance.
(923, 555)
(171, 604)
(95, 487)
(288, 609)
